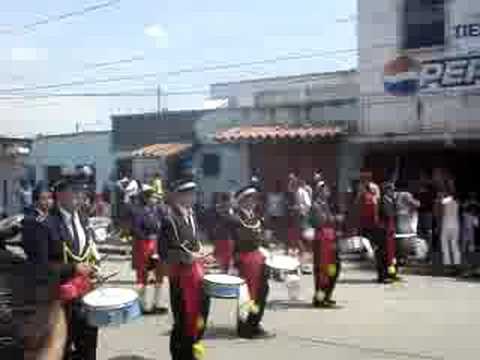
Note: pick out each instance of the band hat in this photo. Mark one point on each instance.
(244, 192)
(67, 184)
(184, 186)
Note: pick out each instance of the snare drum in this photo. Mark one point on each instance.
(222, 286)
(111, 306)
(283, 263)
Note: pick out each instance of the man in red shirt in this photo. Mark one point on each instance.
(370, 227)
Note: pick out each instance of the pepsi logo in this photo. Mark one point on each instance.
(401, 76)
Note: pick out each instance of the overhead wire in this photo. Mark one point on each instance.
(61, 17)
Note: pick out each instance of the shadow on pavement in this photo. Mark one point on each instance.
(288, 304)
(221, 332)
(357, 281)
(130, 357)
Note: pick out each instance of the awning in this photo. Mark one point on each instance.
(161, 150)
(261, 133)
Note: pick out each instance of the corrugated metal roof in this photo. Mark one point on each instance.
(259, 133)
(161, 150)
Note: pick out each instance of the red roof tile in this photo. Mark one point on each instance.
(161, 150)
(259, 133)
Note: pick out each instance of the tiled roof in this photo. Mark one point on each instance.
(259, 133)
(161, 150)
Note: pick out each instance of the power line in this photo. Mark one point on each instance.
(177, 72)
(204, 68)
(115, 62)
(62, 17)
(145, 93)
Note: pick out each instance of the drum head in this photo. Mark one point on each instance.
(109, 297)
(223, 279)
(283, 262)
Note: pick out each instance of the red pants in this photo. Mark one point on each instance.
(295, 240)
(224, 253)
(143, 251)
(188, 280)
(325, 258)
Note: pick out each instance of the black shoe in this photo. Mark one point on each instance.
(161, 311)
(261, 333)
(330, 302)
(316, 303)
(385, 281)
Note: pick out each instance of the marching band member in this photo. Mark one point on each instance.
(185, 256)
(147, 220)
(220, 231)
(326, 262)
(69, 244)
(386, 249)
(247, 232)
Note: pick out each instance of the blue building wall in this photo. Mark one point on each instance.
(70, 150)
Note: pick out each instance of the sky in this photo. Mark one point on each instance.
(96, 51)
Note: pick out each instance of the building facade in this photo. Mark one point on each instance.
(430, 50)
(53, 154)
(13, 153)
(284, 124)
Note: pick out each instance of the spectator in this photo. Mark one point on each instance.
(426, 197)
(450, 228)
(157, 185)
(406, 208)
(24, 195)
(470, 225)
(277, 212)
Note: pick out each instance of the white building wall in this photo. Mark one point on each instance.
(288, 89)
(455, 109)
(72, 150)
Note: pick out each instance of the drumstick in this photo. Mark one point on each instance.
(104, 278)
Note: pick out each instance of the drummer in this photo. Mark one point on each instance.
(185, 255)
(70, 247)
(326, 261)
(386, 249)
(146, 227)
(247, 232)
(220, 231)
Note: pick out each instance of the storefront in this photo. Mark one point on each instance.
(276, 151)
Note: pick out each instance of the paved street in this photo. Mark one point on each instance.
(424, 318)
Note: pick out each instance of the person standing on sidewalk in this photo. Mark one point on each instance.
(276, 210)
(368, 199)
(185, 256)
(450, 229)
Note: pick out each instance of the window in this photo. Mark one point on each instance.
(211, 165)
(424, 23)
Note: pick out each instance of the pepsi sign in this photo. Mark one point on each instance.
(401, 76)
(450, 72)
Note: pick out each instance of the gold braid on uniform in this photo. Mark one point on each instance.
(255, 226)
(183, 244)
(88, 258)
